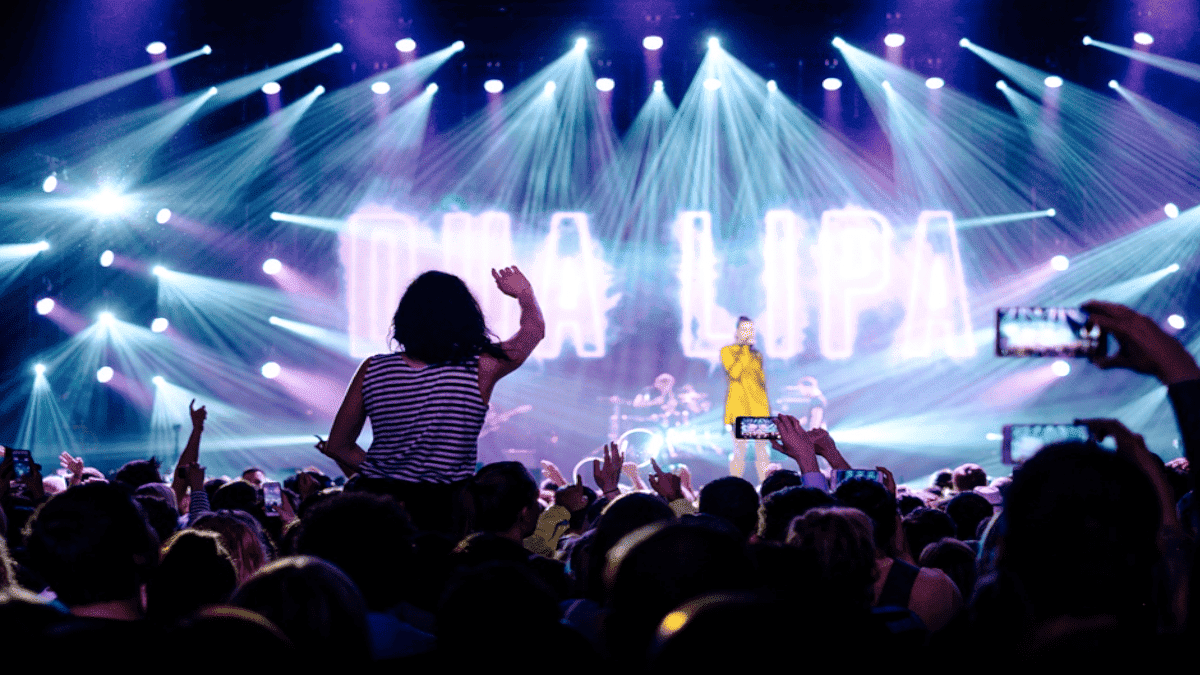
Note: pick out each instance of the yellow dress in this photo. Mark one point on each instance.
(747, 383)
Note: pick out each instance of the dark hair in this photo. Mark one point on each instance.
(778, 480)
(438, 320)
(242, 536)
(954, 558)
(968, 510)
(500, 491)
(842, 541)
(924, 526)
(873, 499)
(195, 571)
(743, 319)
(92, 544)
(779, 508)
(159, 514)
(968, 477)
(734, 499)
(139, 472)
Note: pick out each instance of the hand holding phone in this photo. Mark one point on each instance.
(755, 428)
(1061, 332)
(1022, 441)
(272, 497)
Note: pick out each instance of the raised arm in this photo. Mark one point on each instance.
(342, 446)
(513, 283)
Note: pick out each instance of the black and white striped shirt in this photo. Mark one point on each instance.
(425, 421)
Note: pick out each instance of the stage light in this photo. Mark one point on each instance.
(831, 84)
(712, 84)
(162, 216)
(459, 45)
(157, 47)
(1171, 210)
(581, 44)
(159, 325)
(271, 88)
(39, 368)
(1087, 40)
(772, 86)
(838, 42)
(337, 48)
(158, 380)
(381, 87)
(993, 436)
(271, 370)
(106, 318)
(406, 44)
(1060, 368)
(319, 90)
(44, 306)
(493, 86)
(1175, 321)
(1112, 84)
(212, 91)
(605, 84)
(658, 85)
(1060, 263)
(1053, 81)
(1173, 267)
(1001, 85)
(43, 246)
(50, 183)
(935, 83)
(106, 259)
(964, 43)
(1051, 212)
(104, 374)
(1143, 38)
(159, 270)
(272, 266)
(548, 90)
(893, 39)
(886, 85)
(714, 43)
(206, 49)
(108, 202)
(431, 88)
(652, 42)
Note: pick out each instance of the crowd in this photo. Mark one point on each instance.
(1083, 554)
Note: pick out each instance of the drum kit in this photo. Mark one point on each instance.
(670, 428)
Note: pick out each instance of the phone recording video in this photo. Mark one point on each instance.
(272, 497)
(842, 475)
(1046, 331)
(755, 428)
(1022, 441)
(22, 462)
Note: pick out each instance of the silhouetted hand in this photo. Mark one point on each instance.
(573, 497)
(72, 464)
(608, 473)
(198, 415)
(1143, 346)
(194, 474)
(667, 485)
(889, 481)
(631, 470)
(795, 443)
(826, 448)
(552, 473)
(512, 282)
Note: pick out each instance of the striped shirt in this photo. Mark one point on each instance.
(425, 421)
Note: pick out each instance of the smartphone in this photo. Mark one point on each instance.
(1047, 331)
(755, 428)
(22, 462)
(272, 497)
(842, 475)
(1022, 441)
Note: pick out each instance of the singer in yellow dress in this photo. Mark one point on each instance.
(747, 395)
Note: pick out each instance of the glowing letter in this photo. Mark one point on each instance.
(379, 253)
(572, 283)
(471, 248)
(706, 325)
(855, 252)
(782, 324)
(938, 315)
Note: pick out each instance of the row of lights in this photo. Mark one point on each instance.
(104, 374)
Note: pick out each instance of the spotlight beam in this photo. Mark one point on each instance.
(1006, 218)
(1178, 66)
(231, 91)
(26, 114)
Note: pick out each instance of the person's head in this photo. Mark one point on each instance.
(92, 545)
(369, 537)
(621, 516)
(778, 480)
(954, 558)
(236, 495)
(745, 331)
(968, 510)
(924, 526)
(780, 508)
(438, 320)
(968, 477)
(505, 499)
(316, 606)
(254, 476)
(842, 542)
(139, 472)
(734, 499)
(942, 480)
(242, 537)
(875, 500)
(664, 382)
(162, 517)
(195, 571)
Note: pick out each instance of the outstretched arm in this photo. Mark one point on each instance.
(532, 329)
(342, 446)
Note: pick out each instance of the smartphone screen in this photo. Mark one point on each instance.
(22, 462)
(842, 475)
(272, 497)
(1022, 441)
(755, 428)
(1045, 331)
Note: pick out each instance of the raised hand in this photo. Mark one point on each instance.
(512, 282)
(198, 415)
(631, 470)
(573, 497)
(667, 485)
(889, 481)
(795, 443)
(608, 473)
(552, 473)
(1143, 346)
(74, 465)
(826, 448)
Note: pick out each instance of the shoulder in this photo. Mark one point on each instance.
(936, 584)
